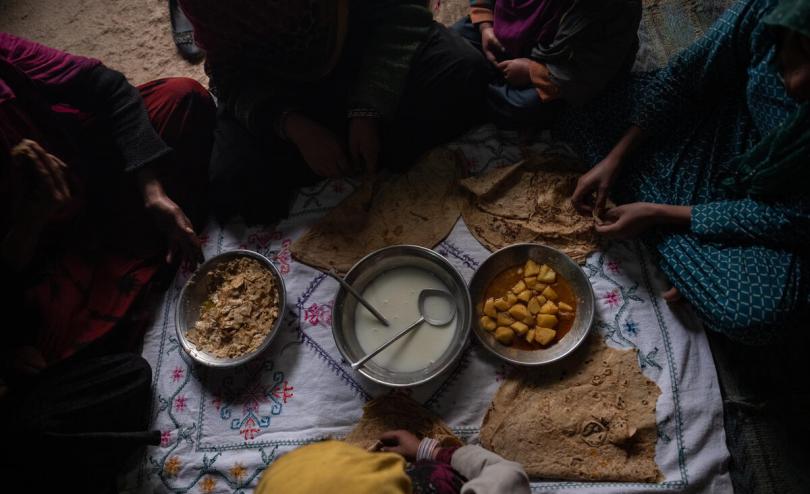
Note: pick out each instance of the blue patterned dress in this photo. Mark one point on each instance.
(744, 263)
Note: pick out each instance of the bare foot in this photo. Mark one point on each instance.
(672, 295)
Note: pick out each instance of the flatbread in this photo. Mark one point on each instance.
(591, 417)
(419, 207)
(483, 185)
(523, 186)
(397, 411)
(529, 202)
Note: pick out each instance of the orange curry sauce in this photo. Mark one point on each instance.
(507, 279)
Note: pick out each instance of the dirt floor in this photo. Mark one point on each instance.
(133, 36)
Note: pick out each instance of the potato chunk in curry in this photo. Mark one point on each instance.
(530, 307)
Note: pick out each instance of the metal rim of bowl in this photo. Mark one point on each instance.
(591, 301)
(209, 360)
(465, 292)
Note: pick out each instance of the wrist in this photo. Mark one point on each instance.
(672, 215)
(615, 159)
(483, 26)
(150, 186)
(628, 143)
(609, 167)
(427, 449)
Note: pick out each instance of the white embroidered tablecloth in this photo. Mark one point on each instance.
(221, 429)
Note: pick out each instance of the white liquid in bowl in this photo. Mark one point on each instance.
(395, 294)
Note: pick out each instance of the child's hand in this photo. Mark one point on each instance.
(516, 72)
(402, 442)
(493, 49)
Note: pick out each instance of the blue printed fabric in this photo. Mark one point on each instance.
(743, 264)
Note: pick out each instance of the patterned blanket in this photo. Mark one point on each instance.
(220, 430)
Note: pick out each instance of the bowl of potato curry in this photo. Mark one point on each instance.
(534, 305)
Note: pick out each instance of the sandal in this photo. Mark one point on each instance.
(183, 34)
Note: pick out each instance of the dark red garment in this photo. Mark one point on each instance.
(100, 255)
(436, 476)
(48, 68)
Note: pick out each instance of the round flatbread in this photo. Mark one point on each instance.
(529, 202)
(419, 207)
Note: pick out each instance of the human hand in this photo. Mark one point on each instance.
(47, 179)
(401, 442)
(516, 72)
(493, 49)
(630, 220)
(171, 220)
(319, 147)
(598, 181)
(364, 142)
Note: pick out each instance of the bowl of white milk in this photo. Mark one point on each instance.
(391, 279)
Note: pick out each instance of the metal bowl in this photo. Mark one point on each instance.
(195, 292)
(518, 254)
(369, 268)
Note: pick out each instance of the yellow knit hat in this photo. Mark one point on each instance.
(335, 467)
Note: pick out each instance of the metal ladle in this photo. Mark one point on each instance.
(345, 284)
(432, 319)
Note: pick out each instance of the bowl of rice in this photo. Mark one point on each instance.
(231, 308)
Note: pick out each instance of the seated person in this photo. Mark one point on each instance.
(547, 52)
(467, 469)
(106, 185)
(320, 88)
(345, 468)
(100, 185)
(713, 170)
